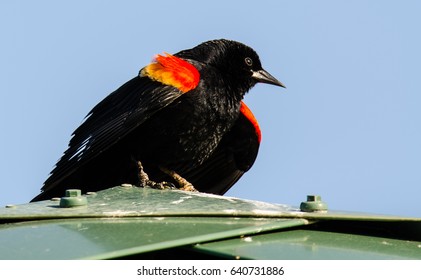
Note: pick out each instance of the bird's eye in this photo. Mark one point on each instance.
(248, 61)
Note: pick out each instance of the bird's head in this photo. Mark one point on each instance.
(239, 63)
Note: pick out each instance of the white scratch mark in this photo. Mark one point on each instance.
(247, 239)
(119, 213)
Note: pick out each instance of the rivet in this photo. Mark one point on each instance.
(73, 198)
(314, 203)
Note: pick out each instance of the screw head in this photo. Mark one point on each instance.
(73, 193)
(73, 198)
(314, 203)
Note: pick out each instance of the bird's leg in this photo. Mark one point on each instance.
(143, 176)
(183, 183)
(146, 182)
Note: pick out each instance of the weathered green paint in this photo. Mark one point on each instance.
(310, 244)
(95, 238)
(129, 221)
(146, 202)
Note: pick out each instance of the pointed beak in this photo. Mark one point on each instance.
(262, 76)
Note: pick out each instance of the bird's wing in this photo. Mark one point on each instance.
(109, 121)
(234, 155)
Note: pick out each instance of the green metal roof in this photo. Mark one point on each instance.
(131, 222)
(311, 244)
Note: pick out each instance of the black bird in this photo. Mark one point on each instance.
(181, 120)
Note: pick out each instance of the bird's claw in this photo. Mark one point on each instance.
(184, 185)
(159, 186)
(145, 182)
(188, 188)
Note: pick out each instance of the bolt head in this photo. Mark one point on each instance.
(73, 193)
(73, 198)
(314, 203)
(314, 198)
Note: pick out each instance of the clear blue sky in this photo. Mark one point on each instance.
(347, 127)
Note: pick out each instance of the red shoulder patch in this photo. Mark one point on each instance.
(173, 71)
(249, 115)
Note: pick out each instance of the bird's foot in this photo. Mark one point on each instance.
(147, 183)
(160, 186)
(184, 185)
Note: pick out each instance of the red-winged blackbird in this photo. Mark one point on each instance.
(181, 120)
